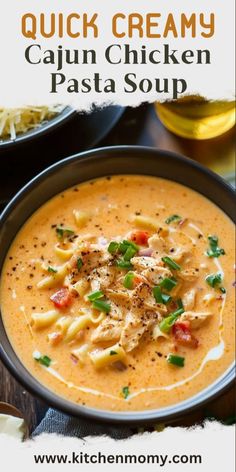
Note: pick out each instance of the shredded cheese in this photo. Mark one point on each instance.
(14, 121)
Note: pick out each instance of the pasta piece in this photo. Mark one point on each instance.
(107, 356)
(81, 287)
(52, 280)
(81, 353)
(145, 222)
(157, 333)
(43, 320)
(77, 325)
(81, 218)
(63, 323)
(96, 318)
(64, 254)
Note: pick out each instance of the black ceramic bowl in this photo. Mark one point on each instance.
(82, 167)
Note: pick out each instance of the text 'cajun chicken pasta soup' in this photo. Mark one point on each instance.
(119, 293)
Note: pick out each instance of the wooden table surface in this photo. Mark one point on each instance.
(137, 126)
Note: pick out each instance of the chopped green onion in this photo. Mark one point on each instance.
(124, 264)
(44, 360)
(101, 305)
(214, 280)
(168, 322)
(124, 245)
(180, 303)
(128, 280)
(52, 270)
(79, 263)
(172, 264)
(159, 296)
(176, 360)
(113, 353)
(63, 232)
(129, 253)
(125, 392)
(173, 218)
(113, 247)
(168, 283)
(95, 295)
(166, 298)
(214, 250)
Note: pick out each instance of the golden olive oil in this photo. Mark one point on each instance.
(194, 117)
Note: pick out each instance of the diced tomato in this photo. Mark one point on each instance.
(183, 335)
(62, 298)
(139, 237)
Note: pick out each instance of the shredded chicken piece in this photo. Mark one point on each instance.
(108, 330)
(142, 299)
(196, 318)
(158, 244)
(156, 274)
(189, 299)
(118, 296)
(180, 254)
(142, 262)
(134, 329)
(102, 277)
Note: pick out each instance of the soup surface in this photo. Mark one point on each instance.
(119, 293)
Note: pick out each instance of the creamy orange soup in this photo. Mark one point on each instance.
(119, 293)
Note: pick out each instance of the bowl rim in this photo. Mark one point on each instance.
(219, 386)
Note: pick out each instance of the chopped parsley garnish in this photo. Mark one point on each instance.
(52, 270)
(172, 218)
(95, 295)
(101, 305)
(176, 360)
(214, 280)
(168, 283)
(63, 232)
(125, 392)
(167, 323)
(172, 264)
(113, 353)
(215, 250)
(44, 360)
(161, 297)
(79, 263)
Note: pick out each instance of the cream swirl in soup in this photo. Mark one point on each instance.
(119, 293)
